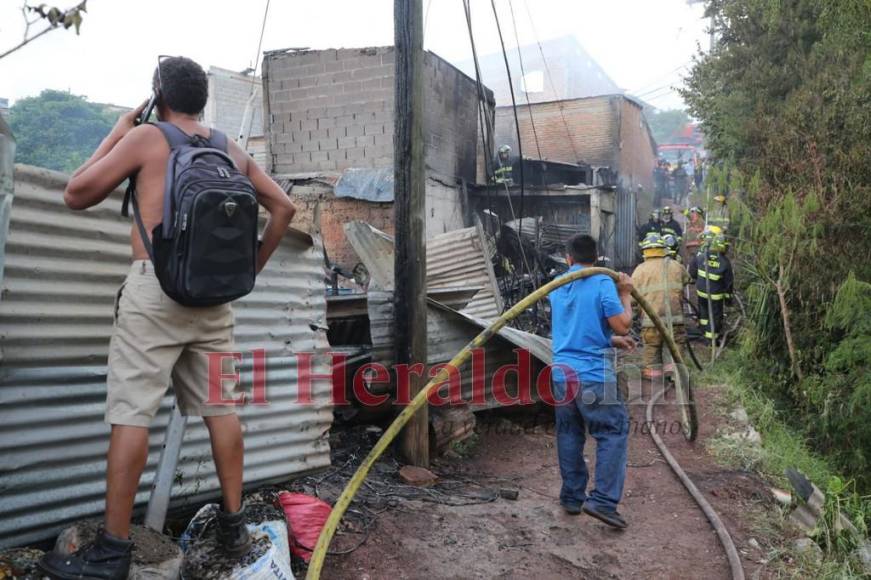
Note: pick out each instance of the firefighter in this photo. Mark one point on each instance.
(670, 225)
(719, 214)
(660, 180)
(712, 272)
(504, 173)
(695, 227)
(653, 225)
(660, 280)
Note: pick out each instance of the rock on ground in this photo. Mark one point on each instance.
(154, 555)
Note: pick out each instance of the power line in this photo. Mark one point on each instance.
(571, 137)
(514, 107)
(523, 79)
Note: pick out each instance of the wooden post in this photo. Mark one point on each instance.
(409, 215)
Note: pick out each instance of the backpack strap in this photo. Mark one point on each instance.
(174, 136)
(218, 140)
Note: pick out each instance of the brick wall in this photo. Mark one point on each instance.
(580, 130)
(331, 110)
(637, 149)
(605, 131)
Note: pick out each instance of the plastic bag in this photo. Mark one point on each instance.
(268, 558)
(306, 516)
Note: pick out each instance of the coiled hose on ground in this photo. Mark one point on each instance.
(317, 561)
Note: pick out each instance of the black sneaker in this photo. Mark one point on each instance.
(107, 558)
(613, 519)
(232, 533)
(573, 509)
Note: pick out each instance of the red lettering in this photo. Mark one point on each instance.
(370, 374)
(403, 381)
(479, 377)
(258, 389)
(217, 376)
(454, 382)
(523, 369)
(545, 389)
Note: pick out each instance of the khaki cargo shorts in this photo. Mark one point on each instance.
(157, 341)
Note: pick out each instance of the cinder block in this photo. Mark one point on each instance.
(319, 156)
(355, 130)
(344, 120)
(371, 84)
(318, 134)
(328, 144)
(336, 133)
(347, 142)
(334, 66)
(366, 140)
(310, 146)
(355, 153)
(309, 125)
(326, 123)
(316, 113)
(386, 140)
(303, 157)
(337, 155)
(375, 129)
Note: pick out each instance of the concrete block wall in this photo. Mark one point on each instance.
(330, 110)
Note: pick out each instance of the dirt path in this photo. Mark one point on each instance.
(532, 537)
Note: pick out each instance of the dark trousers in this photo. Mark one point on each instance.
(599, 408)
(713, 326)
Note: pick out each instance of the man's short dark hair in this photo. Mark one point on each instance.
(183, 85)
(582, 249)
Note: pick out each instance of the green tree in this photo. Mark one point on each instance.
(666, 126)
(785, 98)
(57, 130)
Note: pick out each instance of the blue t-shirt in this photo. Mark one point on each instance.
(581, 334)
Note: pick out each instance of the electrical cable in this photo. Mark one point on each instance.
(571, 137)
(523, 77)
(516, 119)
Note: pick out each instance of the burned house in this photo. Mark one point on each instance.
(330, 140)
(587, 168)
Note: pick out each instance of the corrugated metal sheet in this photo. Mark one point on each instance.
(448, 332)
(63, 269)
(7, 156)
(551, 235)
(463, 258)
(625, 242)
(458, 259)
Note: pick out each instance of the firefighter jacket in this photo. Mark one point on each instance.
(504, 174)
(673, 228)
(650, 226)
(719, 216)
(661, 280)
(714, 279)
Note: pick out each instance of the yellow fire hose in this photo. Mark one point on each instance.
(317, 561)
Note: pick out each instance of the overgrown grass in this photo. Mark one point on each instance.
(783, 446)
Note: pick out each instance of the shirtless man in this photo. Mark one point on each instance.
(155, 339)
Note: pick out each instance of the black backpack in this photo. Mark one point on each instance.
(205, 250)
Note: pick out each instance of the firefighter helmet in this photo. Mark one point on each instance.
(652, 240)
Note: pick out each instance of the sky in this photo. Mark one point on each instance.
(645, 46)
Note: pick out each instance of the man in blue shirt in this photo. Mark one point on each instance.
(586, 315)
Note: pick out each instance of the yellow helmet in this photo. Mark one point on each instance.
(720, 199)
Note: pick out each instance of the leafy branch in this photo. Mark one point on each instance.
(53, 16)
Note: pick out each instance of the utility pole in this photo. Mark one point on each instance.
(409, 206)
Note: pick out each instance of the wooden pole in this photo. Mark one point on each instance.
(409, 215)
